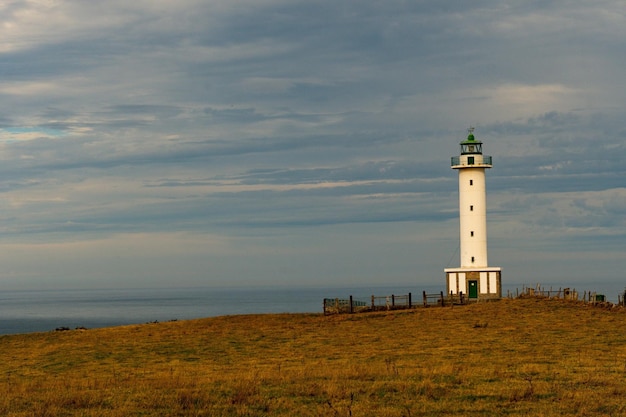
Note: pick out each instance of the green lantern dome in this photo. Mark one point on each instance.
(471, 146)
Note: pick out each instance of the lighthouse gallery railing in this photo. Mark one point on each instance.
(486, 160)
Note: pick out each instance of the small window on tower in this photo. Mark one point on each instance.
(472, 233)
(471, 208)
(471, 182)
(472, 259)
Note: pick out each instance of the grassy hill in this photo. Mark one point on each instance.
(513, 357)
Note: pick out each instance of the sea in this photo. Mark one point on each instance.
(28, 311)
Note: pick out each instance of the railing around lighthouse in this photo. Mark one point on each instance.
(471, 160)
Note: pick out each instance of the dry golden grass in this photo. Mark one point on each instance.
(513, 357)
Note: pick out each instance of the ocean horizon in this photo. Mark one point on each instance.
(28, 311)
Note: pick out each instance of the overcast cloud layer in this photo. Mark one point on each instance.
(269, 142)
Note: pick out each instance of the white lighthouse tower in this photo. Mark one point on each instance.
(475, 279)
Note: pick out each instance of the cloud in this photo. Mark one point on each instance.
(296, 124)
(27, 133)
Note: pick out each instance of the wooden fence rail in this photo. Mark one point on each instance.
(589, 297)
(390, 302)
(398, 302)
(375, 303)
(565, 293)
(433, 299)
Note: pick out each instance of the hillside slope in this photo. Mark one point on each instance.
(513, 357)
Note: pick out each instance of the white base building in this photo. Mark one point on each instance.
(480, 283)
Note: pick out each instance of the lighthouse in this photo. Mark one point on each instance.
(475, 279)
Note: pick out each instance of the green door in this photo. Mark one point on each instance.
(473, 289)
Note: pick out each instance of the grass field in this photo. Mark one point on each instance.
(524, 357)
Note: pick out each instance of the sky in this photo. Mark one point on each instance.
(264, 143)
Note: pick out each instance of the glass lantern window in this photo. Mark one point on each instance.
(471, 148)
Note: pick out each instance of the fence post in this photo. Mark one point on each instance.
(425, 299)
(351, 309)
(410, 303)
(461, 297)
(393, 300)
(373, 302)
(443, 302)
